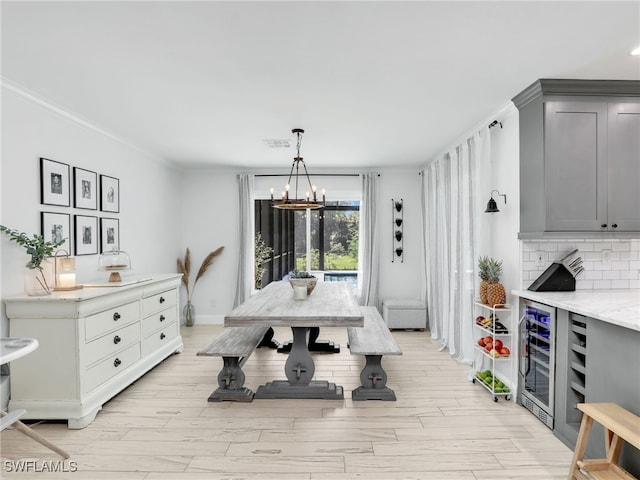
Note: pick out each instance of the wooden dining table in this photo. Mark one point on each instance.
(331, 304)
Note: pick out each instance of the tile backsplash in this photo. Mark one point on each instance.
(608, 264)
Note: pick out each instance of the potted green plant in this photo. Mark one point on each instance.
(263, 252)
(184, 267)
(39, 274)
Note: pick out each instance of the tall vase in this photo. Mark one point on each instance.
(189, 314)
(39, 281)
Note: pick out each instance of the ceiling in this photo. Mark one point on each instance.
(374, 84)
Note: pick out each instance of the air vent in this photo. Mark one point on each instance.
(275, 143)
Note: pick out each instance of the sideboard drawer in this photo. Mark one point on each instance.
(159, 320)
(111, 366)
(159, 302)
(109, 320)
(112, 343)
(157, 339)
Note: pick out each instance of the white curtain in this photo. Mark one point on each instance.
(368, 257)
(245, 275)
(450, 213)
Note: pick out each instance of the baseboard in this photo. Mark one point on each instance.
(208, 319)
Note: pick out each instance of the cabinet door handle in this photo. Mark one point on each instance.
(615, 225)
(116, 339)
(162, 318)
(161, 299)
(117, 362)
(116, 317)
(604, 225)
(162, 336)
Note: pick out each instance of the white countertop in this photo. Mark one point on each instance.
(618, 307)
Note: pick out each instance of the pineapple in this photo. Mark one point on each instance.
(496, 294)
(484, 277)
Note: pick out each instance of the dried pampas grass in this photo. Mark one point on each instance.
(184, 267)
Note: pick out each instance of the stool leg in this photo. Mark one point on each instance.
(613, 445)
(21, 427)
(581, 443)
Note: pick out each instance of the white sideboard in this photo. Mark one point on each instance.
(94, 342)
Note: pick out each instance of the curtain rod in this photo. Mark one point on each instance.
(311, 175)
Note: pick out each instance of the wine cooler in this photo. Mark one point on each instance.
(536, 366)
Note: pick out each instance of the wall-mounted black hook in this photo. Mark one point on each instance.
(397, 213)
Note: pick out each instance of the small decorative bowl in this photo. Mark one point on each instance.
(310, 283)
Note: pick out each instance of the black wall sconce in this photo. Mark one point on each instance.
(397, 213)
(492, 206)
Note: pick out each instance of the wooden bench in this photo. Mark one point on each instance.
(619, 425)
(235, 345)
(373, 340)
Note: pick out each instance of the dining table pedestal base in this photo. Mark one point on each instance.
(315, 345)
(320, 389)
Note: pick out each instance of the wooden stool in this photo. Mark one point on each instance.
(619, 425)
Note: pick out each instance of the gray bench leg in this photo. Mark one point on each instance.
(374, 381)
(231, 382)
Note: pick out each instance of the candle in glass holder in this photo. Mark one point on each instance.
(67, 280)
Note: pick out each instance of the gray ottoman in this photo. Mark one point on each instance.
(404, 313)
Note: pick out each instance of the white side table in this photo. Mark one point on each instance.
(11, 349)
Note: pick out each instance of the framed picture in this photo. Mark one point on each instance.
(109, 234)
(56, 227)
(109, 194)
(54, 183)
(86, 229)
(85, 191)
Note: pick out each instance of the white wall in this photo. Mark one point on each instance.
(208, 219)
(400, 280)
(150, 193)
(500, 230)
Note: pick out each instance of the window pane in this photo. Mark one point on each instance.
(340, 240)
(300, 226)
(315, 240)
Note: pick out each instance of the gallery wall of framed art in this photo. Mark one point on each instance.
(85, 234)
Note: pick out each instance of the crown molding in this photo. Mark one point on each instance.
(558, 86)
(77, 119)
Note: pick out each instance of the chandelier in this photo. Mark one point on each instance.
(310, 199)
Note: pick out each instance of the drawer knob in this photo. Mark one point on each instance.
(161, 299)
(117, 362)
(162, 336)
(604, 225)
(116, 317)
(162, 318)
(615, 225)
(116, 339)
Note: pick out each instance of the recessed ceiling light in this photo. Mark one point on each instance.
(635, 51)
(275, 143)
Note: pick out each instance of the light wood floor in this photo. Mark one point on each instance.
(441, 427)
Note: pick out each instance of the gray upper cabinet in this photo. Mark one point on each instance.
(624, 167)
(579, 157)
(575, 165)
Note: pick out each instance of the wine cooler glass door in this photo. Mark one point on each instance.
(537, 355)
